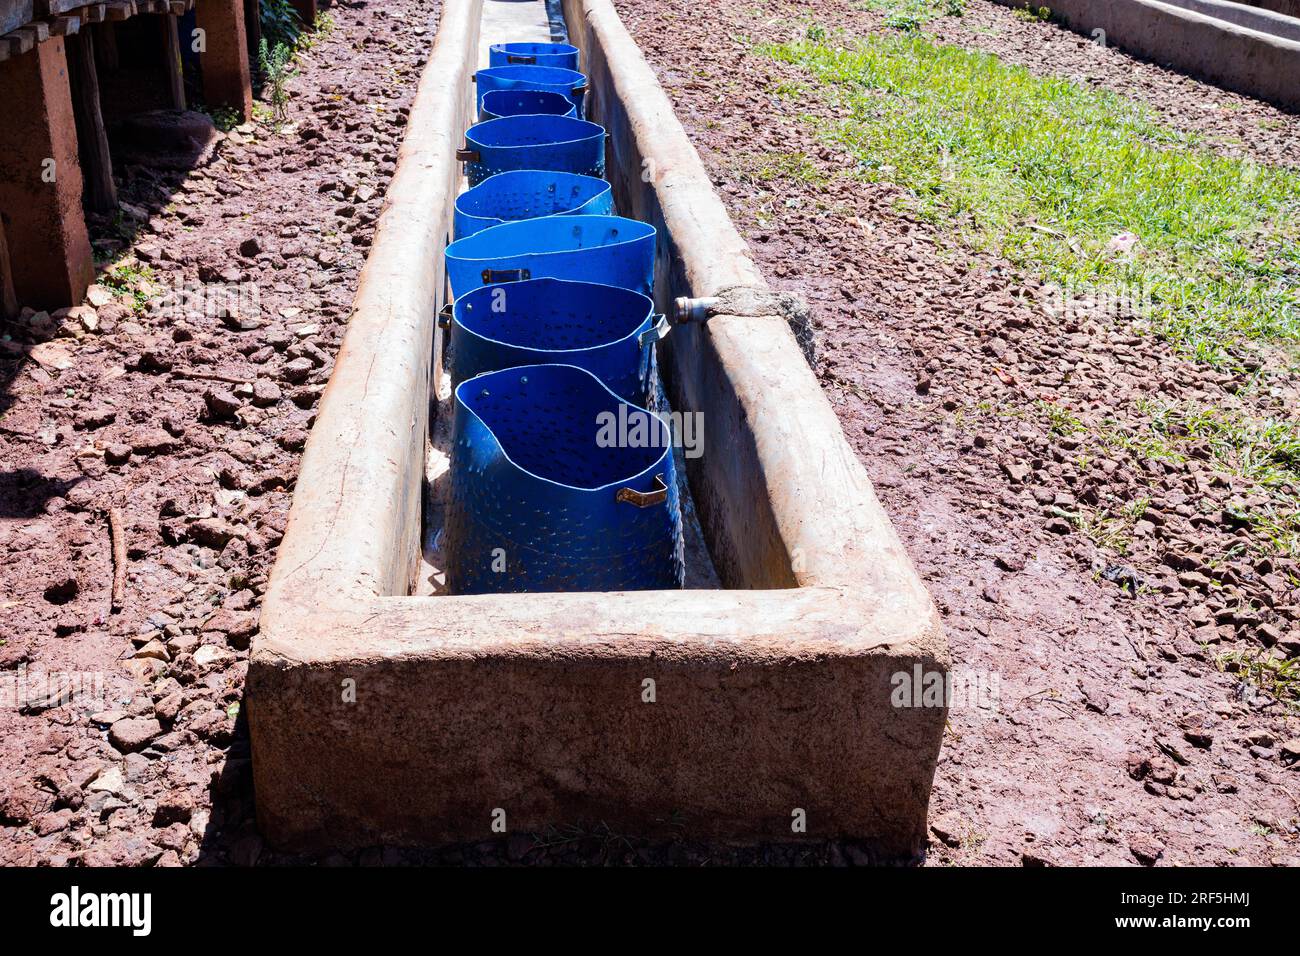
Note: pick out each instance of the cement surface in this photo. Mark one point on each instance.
(512, 21)
(378, 717)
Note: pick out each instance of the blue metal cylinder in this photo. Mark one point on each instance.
(562, 55)
(528, 194)
(557, 484)
(608, 331)
(548, 79)
(501, 103)
(609, 250)
(559, 143)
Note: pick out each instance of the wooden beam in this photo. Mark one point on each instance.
(54, 8)
(96, 162)
(119, 10)
(93, 13)
(172, 61)
(65, 26)
(19, 42)
(14, 13)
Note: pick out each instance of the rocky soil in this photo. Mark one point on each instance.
(177, 400)
(1118, 737)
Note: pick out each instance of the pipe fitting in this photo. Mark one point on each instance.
(686, 309)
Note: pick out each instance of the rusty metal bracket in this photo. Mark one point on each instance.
(644, 499)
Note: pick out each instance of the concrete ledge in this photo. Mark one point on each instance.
(382, 718)
(1242, 15)
(1231, 56)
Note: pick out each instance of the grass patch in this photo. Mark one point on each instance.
(770, 167)
(1049, 174)
(909, 15)
(1278, 678)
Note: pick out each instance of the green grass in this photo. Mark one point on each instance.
(908, 15)
(1046, 172)
(1279, 678)
(1263, 451)
(772, 166)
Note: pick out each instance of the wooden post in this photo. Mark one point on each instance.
(40, 180)
(253, 24)
(224, 62)
(106, 45)
(172, 61)
(96, 163)
(8, 301)
(306, 10)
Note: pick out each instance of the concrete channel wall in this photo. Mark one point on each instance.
(1252, 18)
(1211, 48)
(378, 717)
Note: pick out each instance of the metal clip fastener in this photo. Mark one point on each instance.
(656, 331)
(467, 155)
(644, 499)
(491, 276)
(444, 316)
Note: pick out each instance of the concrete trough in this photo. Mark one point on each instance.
(760, 710)
(1236, 46)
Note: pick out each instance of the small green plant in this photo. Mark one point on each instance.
(1031, 15)
(281, 24)
(133, 280)
(277, 67)
(1279, 678)
(223, 117)
(321, 27)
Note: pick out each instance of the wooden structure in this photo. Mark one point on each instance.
(54, 151)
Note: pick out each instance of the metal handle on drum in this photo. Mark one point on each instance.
(467, 155)
(515, 58)
(645, 499)
(656, 331)
(444, 316)
(492, 276)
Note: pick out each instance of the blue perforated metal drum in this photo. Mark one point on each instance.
(610, 250)
(559, 143)
(559, 485)
(528, 194)
(533, 54)
(608, 331)
(500, 103)
(548, 79)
